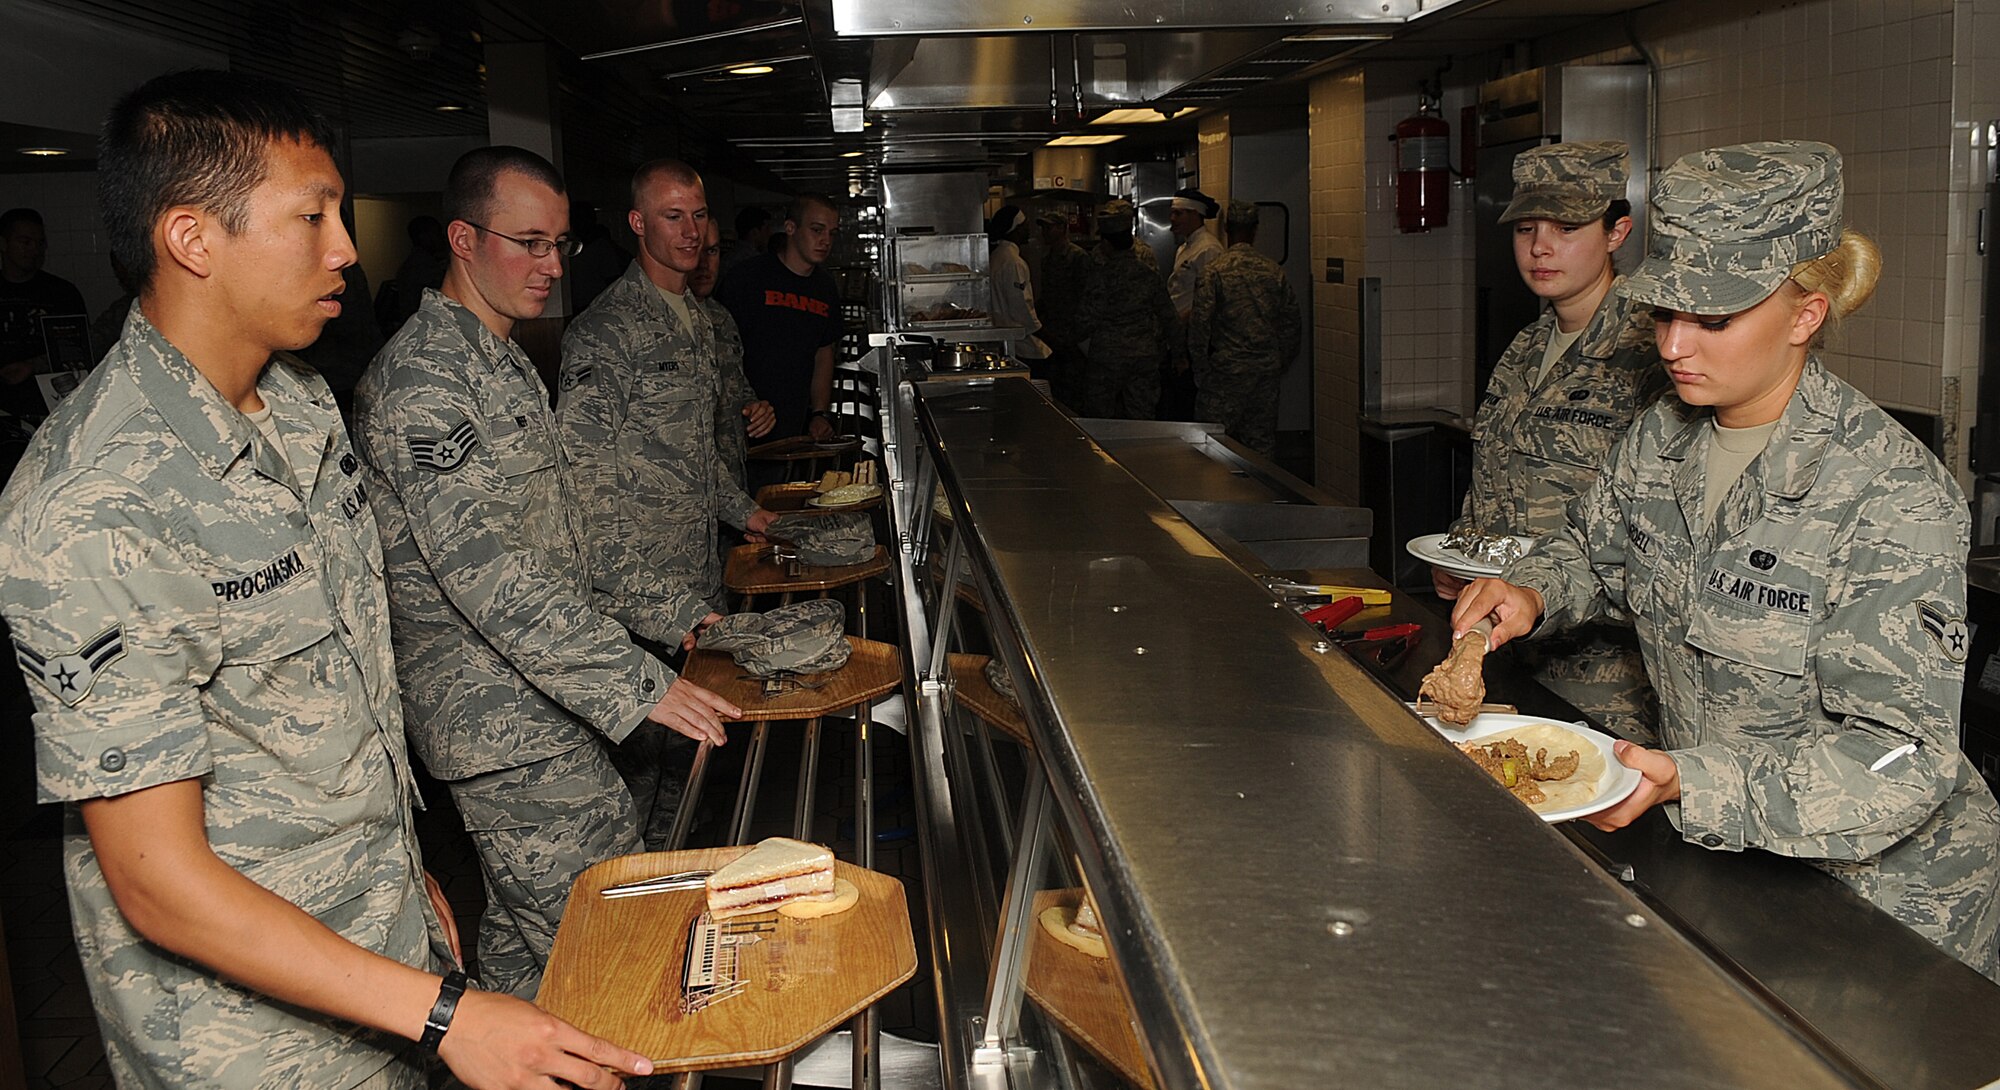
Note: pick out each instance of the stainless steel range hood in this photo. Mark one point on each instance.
(886, 18)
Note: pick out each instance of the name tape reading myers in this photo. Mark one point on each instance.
(263, 581)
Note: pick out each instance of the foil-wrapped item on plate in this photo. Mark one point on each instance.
(1498, 550)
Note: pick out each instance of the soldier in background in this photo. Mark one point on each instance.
(1561, 394)
(1129, 318)
(1065, 272)
(639, 397)
(1793, 558)
(740, 415)
(1197, 246)
(1243, 328)
(515, 685)
(191, 574)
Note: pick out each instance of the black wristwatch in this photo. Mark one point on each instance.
(818, 413)
(442, 1010)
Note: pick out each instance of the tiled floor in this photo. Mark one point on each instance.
(59, 1041)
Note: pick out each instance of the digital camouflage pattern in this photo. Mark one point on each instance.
(535, 828)
(189, 604)
(505, 662)
(639, 402)
(1059, 296)
(1536, 447)
(1729, 224)
(830, 539)
(1243, 330)
(799, 638)
(1808, 647)
(1127, 319)
(1569, 183)
(732, 442)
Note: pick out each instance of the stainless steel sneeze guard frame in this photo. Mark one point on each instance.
(1301, 884)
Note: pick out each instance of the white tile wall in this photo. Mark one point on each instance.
(67, 201)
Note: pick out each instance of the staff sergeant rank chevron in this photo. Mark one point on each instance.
(446, 454)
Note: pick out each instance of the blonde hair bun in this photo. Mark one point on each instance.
(1846, 274)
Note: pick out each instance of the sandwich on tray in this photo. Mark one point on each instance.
(776, 872)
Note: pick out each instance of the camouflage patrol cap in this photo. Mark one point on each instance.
(1114, 218)
(1240, 214)
(842, 537)
(1730, 223)
(800, 638)
(1569, 183)
(1002, 682)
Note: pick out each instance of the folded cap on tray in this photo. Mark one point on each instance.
(842, 537)
(800, 638)
(1729, 224)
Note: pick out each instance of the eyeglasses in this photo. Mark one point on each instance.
(540, 247)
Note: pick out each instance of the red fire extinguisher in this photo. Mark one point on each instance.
(1423, 169)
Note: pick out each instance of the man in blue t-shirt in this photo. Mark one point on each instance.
(788, 311)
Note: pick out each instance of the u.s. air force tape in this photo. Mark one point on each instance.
(442, 455)
(70, 676)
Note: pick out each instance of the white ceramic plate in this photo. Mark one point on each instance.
(1430, 549)
(1617, 783)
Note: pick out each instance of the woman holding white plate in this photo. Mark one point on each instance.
(1792, 559)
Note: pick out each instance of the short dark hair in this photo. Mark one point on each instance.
(751, 218)
(196, 138)
(672, 169)
(796, 211)
(14, 217)
(468, 189)
(1619, 209)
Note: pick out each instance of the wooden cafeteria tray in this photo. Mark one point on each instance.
(1083, 995)
(794, 448)
(785, 499)
(616, 967)
(871, 670)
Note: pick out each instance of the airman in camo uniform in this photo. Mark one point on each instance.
(1546, 426)
(740, 415)
(514, 685)
(1243, 328)
(1802, 616)
(192, 576)
(1126, 318)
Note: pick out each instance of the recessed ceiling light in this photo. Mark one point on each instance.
(851, 154)
(752, 70)
(1078, 141)
(1141, 116)
(45, 153)
(449, 107)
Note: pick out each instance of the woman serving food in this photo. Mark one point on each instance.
(1792, 560)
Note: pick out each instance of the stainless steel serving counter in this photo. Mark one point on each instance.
(1302, 885)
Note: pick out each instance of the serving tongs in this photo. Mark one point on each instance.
(665, 883)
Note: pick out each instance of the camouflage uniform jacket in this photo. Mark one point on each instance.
(1126, 313)
(1191, 258)
(188, 604)
(731, 441)
(638, 405)
(1801, 646)
(1059, 295)
(1536, 447)
(1245, 318)
(503, 659)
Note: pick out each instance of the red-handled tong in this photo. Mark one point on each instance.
(1333, 613)
(1386, 632)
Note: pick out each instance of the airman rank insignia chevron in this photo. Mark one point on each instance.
(1947, 631)
(69, 677)
(577, 376)
(446, 454)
